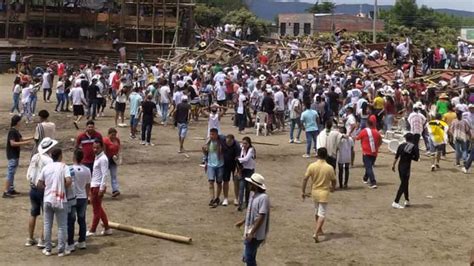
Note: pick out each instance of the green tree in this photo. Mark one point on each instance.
(208, 16)
(324, 7)
(227, 5)
(245, 19)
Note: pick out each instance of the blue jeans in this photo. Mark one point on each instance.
(93, 106)
(388, 122)
(369, 162)
(244, 192)
(113, 176)
(250, 251)
(11, 170)
(147, 126)
(33, 100)
(61, 219)
(16, 103)
(80, 210)
(61, 98)
(468, 162)
(461, 150)
(294, 122)
(310, 137)
(164, 112)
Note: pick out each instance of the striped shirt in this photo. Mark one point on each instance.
(417, 122)
(85, 142)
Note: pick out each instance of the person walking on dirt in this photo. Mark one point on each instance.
(323, 181)
(257, 219)
(370, 140)
(78, 101)
(112, 150)
(181, 120)
(406, 152)
(98, 186)
(231, 150)
(214, 167)
(438, 131)
(247, 158)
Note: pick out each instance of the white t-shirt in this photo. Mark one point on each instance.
(46, 83)
(351, 120)
(280, 101)
(77, 95)
(25, 94)
(165, 94)
(50, 173)
(177, 97)
(240, 108)
(60, 87)
(17, 89)
(344, 151)
(293, 105)
(82, 177)
(355, 95)
(220, 92)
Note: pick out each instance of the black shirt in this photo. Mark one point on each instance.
(13, 152)
(182, 113)
(148, 110)
(407, 154)
(268, 105)
(92, 91)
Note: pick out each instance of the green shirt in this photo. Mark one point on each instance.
(442, 107)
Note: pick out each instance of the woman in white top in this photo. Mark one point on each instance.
(16, 95)
(247, 158)
(60, 96)
(120, 104)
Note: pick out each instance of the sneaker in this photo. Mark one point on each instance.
(149, 144)
(298, 141)
(216, 202)
(306, 156)
(63, 253)
(437, 166)
(365, 181)
(41, 243)
(89, 233)
(225, 202)
(202, 165)
(397, 206)
(464, 170)
(236, 202)
(433, 168)
(458, 165)
(106, 232)
(75, 125)
(30, 242)
(80, 245)
(14, 192)
(142, 143)
(7, 195)
(407, 203)
(70, 248)
(46, 252)
(373, 186)
(291, 141)
(115, 194)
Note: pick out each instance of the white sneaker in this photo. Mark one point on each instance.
(46, 252)
(80, 245)
(89, 233)
(236, 202)
(142, 143)
(291, 141)
(70, 248)
(373, 186)
(433, 168)
(397, 206)
(30, 242)
(107, 232)
(306, 156)
(225, 202)
(407, 203)
(298, 141)
(464, 170)
(41, 243)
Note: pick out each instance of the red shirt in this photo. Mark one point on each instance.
(116, 81)
(60, 69)
(229, 86)
(111, 148)
(365, 141)
(263, 59)
(85, 142)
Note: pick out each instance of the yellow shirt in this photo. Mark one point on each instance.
(321, 174)
(449, 117)
(379, 103)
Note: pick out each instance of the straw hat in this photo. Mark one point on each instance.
(443, 96)
(258, 180)
(46, 145)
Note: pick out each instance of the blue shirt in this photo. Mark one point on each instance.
(213, 159)
(308, 117)
(135, 100)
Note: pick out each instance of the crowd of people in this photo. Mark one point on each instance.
(334, 105)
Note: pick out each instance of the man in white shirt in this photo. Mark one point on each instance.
(78, 101)
(37, 163)
(55, 178)
(280, 109)
(219, 90)
(164, 101)
(241, 112)
(98, 186)
(81, 179)
(46, 85)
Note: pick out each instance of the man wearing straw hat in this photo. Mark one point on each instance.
(257, 218)
(38, 162)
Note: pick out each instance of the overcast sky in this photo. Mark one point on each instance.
(467, 5)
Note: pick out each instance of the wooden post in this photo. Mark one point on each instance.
(176, 39)
(7, 25)
(44, 20)
(164, 23)
(138, 20)
(122, 20)
(27, 15)
(153, 23)
(152, 233)
(60, 26)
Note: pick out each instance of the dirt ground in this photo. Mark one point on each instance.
(165, 191)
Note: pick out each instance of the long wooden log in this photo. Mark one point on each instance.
(152, 233)
(467, 71)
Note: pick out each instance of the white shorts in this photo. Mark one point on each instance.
(320, 209)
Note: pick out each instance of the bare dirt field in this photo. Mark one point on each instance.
(165, 191)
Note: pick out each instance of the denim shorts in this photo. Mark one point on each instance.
(36, 199)
(133, 120)
(182, 130)
(215, 174)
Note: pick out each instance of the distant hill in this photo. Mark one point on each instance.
(269, 9)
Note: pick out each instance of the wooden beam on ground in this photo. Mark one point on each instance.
(467, 71)
(152, 233)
